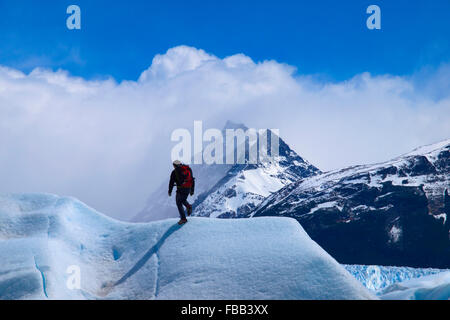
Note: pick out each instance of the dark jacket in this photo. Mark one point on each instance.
(175, 178)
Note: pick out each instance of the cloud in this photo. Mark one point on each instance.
(108, 143)
(175, 62)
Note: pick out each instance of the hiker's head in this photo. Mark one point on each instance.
(176, 163)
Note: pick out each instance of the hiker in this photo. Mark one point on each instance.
(183, 178)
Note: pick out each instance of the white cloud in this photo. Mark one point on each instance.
(108, 143)
(175, 62)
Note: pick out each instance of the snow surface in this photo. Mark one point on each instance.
(42, 235)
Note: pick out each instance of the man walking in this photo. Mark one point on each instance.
(185, 182)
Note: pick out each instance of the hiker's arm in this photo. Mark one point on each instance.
(171, 182)
(193, 183)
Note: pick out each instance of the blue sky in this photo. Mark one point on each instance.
(329, 38)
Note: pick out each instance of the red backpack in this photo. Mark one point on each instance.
(186, 179)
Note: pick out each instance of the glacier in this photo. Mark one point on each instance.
(377, 278)
(431, 287)
(403, 283)
(43, 236)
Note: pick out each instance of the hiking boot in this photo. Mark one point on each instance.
(189, 210)
(182, 221)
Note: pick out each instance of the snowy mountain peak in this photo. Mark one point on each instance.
(245, 186)
(233, 190)
(234, 125)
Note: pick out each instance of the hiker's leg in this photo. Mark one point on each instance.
(185, 196)
(185, 202)
(179, 200)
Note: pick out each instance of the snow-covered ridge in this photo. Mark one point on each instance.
(429, 149)
(42, 235)
(369, 174)
(322, 181)
(396, 210)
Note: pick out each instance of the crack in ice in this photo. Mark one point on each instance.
(44, 286)
(152, 251)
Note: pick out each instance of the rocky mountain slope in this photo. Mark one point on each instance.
(391, 213)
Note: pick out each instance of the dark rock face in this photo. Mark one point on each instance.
(230, 193)
(394, 213)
